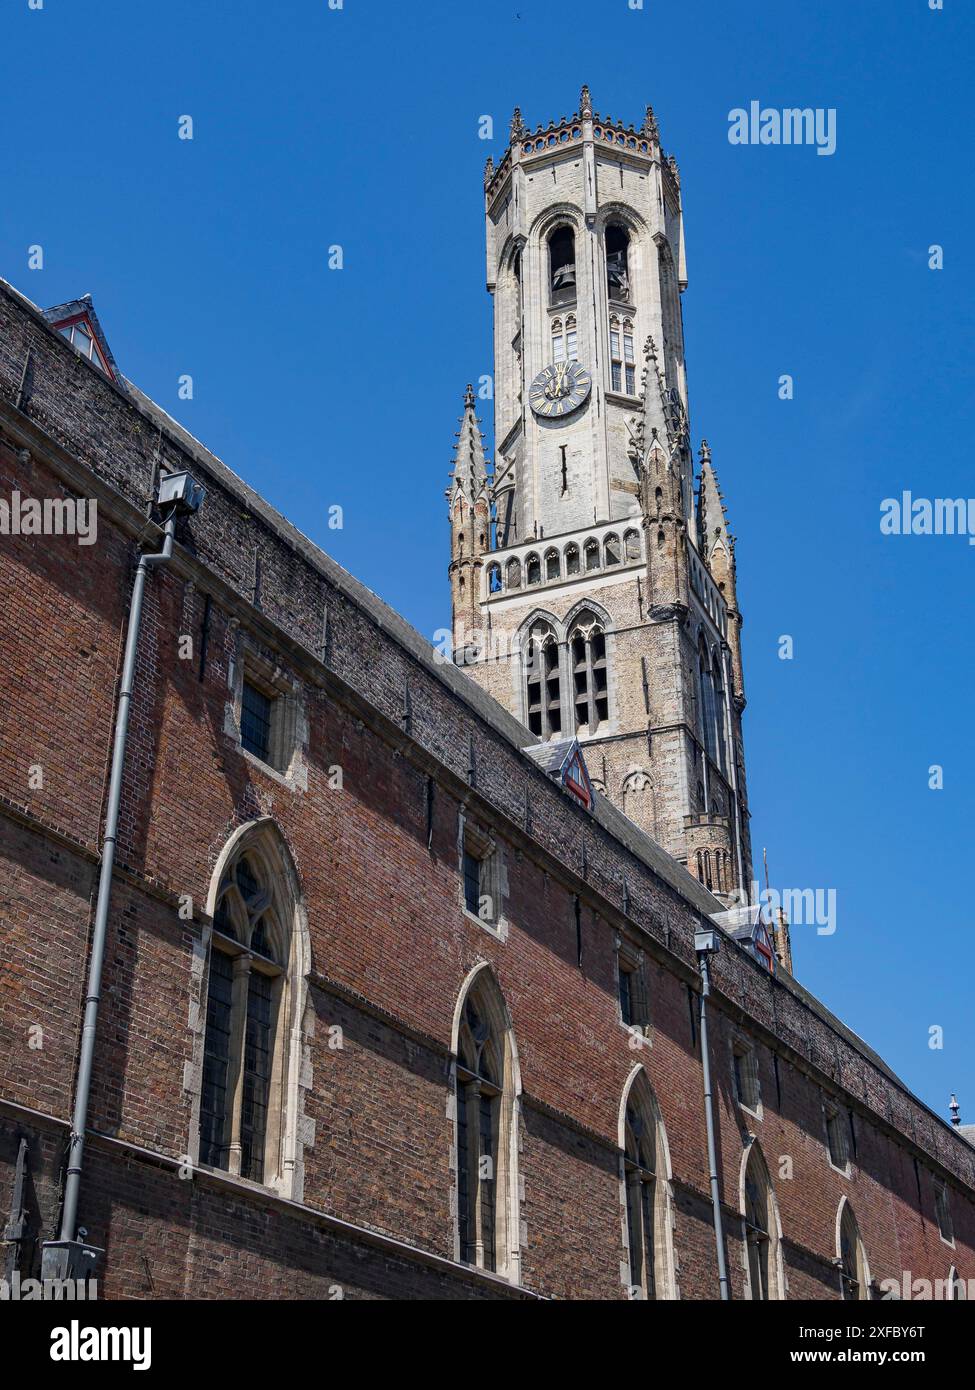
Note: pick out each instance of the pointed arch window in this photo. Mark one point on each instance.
(533, 569)
(611, 550)
(543, 685)
(587, 648)
(553, 564)
(617, 263)
(247, 1066)
(706, 702)
(760, 1229)
(572, 559)
(646, 1193)
(494, 579)
(631, 545)
(719, 717)
(854, 1279)
(562, 265)
(512, 574)
(485, 1139)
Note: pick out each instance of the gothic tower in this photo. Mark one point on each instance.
(593, 584)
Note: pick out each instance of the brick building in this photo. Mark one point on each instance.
(394, 1003)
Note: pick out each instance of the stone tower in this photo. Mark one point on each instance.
(593, 582)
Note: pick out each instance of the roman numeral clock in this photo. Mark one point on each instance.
(559, 389)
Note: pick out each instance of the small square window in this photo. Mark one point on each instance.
(943, 1210)
(255, 721)
(632, 987)
(836, 1138)
(626, 995)
(480, 869)
(747, 1087)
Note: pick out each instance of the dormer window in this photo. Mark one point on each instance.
(80, 335)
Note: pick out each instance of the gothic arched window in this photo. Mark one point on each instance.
(760, 1229)
(553, 564)
(719, 716)
(706, 702)
(512, 574)
(252, 1003)
(617, 263)
(647, 1193)
(494, 579)
(533, 569)
(592, 554)
(631, 545)
(485, 1129)
(543, 687)
(611, 550)
(854, 1279)
(587, 647)
(572, 559)
(562, 265)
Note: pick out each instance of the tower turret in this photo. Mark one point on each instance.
(608, 589)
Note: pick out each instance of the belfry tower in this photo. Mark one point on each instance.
(593, 575)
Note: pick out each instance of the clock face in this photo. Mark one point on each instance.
(559, 389)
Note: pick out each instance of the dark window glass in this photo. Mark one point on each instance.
(486, 1188)
(626, 996)
(257, 1075)
(646, 1206)
(467, 1251)
(632, 1219)
(255, 721)
(472, 882)
(216, 1057)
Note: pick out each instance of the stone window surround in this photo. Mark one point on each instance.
(475, 839)
(942, 1208)
(509, 1194)
(833, 1115)
(631, 960)
(289, 1131)
(288, 738)
(744, 1051)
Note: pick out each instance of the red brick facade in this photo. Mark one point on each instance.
(378, 861)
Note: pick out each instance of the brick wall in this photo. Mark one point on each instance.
(390, 943)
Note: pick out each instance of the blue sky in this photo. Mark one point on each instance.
(359, 127)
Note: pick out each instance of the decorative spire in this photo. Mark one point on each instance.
(469, 463)
(955, 1110)
(489, 170)
(518, 127)
(650, 127)
(712, 517)
(585, 105)
(674, 170)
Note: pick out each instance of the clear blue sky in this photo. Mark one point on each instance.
(360, 127)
